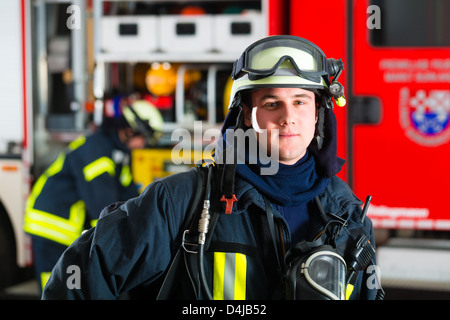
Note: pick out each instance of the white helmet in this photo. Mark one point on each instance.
(286, 61)
(144, 118)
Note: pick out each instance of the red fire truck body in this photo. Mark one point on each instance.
(395, 130)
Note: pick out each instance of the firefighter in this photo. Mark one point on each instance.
(93, 172)
(253, 228)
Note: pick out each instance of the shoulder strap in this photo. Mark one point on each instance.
(201, 228)
(167, 284)
(273, 233)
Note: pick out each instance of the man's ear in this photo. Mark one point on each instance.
(247, 115)
(317, 100)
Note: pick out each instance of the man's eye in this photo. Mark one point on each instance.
(299, 102)
(270, 104)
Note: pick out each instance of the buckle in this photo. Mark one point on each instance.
(184, 243)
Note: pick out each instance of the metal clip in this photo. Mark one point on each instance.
(188, 243)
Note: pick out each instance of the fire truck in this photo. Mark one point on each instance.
(15, 137)
(395, 127)
(394, 131)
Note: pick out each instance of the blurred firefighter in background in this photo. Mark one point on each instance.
(91, 173)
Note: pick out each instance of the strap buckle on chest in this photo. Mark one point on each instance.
(188, 246)
(230, 202)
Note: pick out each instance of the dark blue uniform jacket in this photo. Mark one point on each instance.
(135, 243)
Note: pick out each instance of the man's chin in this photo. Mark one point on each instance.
(290, 158)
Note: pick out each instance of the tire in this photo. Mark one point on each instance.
(8, 266)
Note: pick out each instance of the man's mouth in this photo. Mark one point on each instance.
(287, 135)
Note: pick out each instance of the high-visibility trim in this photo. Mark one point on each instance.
(230, 276)
(56, 228)
(78, 142)
(218, 276)
(125, 176)
(98, 167)
(48, 225)
(44, 278)
(348, 291)
(93, 222)
(240, 279)
(54, 168)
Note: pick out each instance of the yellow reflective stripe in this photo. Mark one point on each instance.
(37, 188)
(78, 142)
(78, 213)
(44, 218)
(48, 225)
(48, 233)
(44, 278)
(240, 278)
(218, 277)
(94, 222)
(98, 167)
(229, 276)
(54, 168)
(56, 228)
(125, 176)
(348, 291)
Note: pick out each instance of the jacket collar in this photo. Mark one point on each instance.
(336, 198)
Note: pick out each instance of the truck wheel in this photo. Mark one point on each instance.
(8, 267)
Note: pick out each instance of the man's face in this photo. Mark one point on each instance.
(289, 116)
(130, 139)
(136, 142)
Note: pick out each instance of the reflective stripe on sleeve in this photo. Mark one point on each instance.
(126, 176)
(56, 228)
(78, 142)
(44, 279)
(98, 167)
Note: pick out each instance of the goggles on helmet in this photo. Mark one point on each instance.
(281, 55)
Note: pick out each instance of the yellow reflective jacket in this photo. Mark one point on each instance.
(70, 194)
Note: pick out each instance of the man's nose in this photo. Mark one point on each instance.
(286, 116)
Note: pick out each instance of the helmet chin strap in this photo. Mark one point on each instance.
(229, 169)
(320, 134)
(255, 121)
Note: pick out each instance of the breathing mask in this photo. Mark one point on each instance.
(318, 274)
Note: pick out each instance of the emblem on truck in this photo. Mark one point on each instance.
(425, 115)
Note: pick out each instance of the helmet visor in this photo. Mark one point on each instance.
(325, 272)
(281, 55)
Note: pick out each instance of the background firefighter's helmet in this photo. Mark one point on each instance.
(142, 116)
(142, 112)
